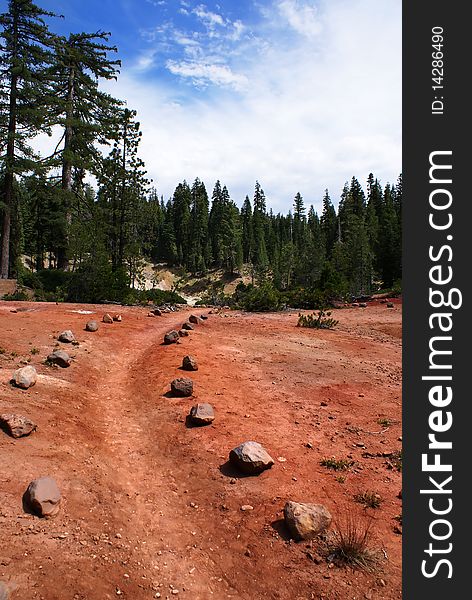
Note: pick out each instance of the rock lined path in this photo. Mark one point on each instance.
(151, 508)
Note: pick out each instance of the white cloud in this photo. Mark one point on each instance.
(203, 73)
(301, 16)
(298, 113)
(209, 18)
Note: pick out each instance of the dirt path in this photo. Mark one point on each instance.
(150, 507)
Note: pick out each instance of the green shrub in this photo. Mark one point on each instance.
(17, 296)
(320, 321)
(368, 499)
(342, 464)
(260, 299)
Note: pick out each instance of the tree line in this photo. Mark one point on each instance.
(101, 235)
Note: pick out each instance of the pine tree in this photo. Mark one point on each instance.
(122, 185)
(247, 230)
(199, 247)
(299, 222)
(259, 217)
(25, 53)
(181, 215)
(328, 224)
(85, 112)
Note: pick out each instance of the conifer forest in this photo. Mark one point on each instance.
(82, 221)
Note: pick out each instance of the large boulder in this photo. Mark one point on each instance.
(67, 337)
(306, 521)
(171, 337)
(251, 458)
(187, 325)
(43, 497)
(60, 358)
(189, 363)
(182, 387)
(91, 326)
(25, 377)
(107, 318)
(16, 425)
(202, 414)
(195, 319)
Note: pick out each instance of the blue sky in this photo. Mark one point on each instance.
(299, 94)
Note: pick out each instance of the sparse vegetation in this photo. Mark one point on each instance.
(34, 350)
(368, 499)
(342, 464)
(384, 422)
(341, 478)
(395, 461)
(351, 543)
(320, 321)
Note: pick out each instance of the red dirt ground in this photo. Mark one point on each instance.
(149, 507)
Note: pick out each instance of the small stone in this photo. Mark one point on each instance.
(390, 305)
(171, 337)
(306, 521)
(194, 319)
(189, 363)
(232, 481)
(182, 387)
(309, 445)
(67, 337)
(25, 377)
(16, 425)
(188, 326)
(202, 414)
(323, 403)
(91, 326)
(251, 458)
(43, 497)
(246, 507)
(4, 593)
(107, 318)
(118, 318)
(204, 317)
(183, 333)
(156, 312)
(60, 358)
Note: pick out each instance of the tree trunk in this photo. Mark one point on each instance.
(9, 162)
(66, 182)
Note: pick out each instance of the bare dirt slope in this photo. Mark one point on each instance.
(149, 505)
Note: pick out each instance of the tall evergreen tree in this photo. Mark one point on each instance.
(85, 112)
(123, 184)
(199, 247)
(25, 53)
(328, 224)
(247, 230)
(259, 255)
